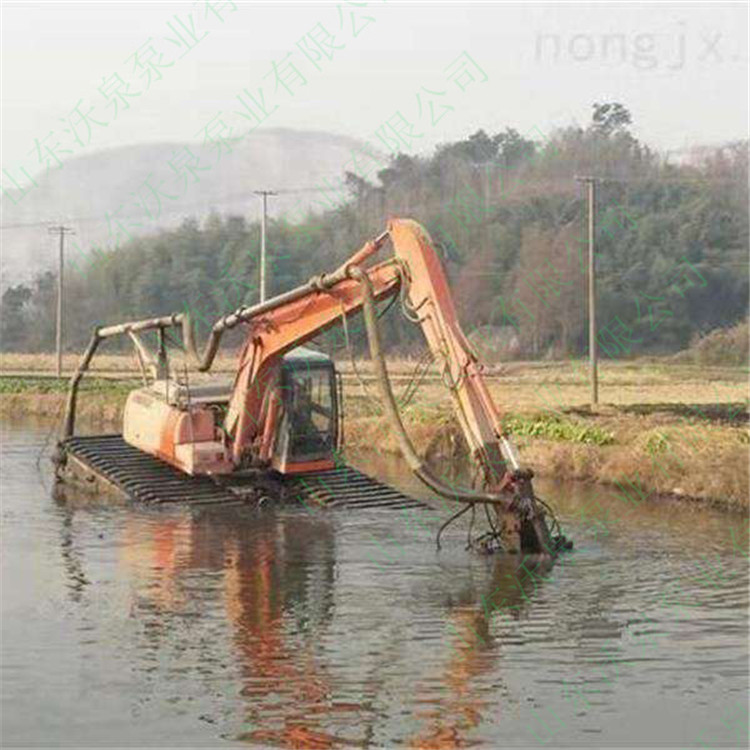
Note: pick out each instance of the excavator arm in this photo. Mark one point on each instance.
(287, 323)
(290, 320)
(430, 303)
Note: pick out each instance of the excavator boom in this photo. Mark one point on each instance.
(276, 331)
(416, 269)
(291, 322)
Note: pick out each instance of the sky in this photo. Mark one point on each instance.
(416, 73)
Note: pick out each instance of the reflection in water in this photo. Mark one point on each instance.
(72, 563)
(448, 724)
(263, 580)
(283, 628)
(276, 574)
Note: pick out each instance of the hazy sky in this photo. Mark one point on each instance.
(681, 69)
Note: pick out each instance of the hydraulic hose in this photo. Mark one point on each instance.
(245, 314)
(407, 449)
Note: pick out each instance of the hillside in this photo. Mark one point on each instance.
(509, 219)
(92, 192)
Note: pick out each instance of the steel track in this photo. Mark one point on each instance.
(146, 479)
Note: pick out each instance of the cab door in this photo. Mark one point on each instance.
(307, 434)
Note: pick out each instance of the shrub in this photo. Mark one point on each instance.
(722, 346)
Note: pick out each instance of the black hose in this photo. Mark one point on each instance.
(407, 449)
(453, 518)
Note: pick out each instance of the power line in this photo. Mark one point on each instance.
(342, 186)
(669, 181)
(183, 207)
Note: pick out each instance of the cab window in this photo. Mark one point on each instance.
(310, 413)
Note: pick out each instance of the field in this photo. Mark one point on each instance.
(661, 428)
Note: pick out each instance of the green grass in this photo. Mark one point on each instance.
(657, 442)
(551, 427)
(14, 384)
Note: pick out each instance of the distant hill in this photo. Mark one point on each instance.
(88, 189)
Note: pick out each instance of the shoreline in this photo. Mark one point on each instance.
(611, 466)
(647, 453)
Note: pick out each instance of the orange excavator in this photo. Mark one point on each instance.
(277, 427)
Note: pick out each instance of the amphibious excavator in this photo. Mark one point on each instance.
(275, 430)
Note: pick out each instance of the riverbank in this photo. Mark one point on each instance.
(661, 430)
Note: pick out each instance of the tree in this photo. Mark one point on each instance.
(13, 317)
(476, 149)
(547, 289)
(513, 148)
(610, 117)
(671, 252)
(357, 186)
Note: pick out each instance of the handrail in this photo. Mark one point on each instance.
(130, 329)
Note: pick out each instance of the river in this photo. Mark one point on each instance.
(219, 627)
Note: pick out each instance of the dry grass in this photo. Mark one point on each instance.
(532, 384)
(532, 387)
(676, 429)
(720, 346)
(105, 364)
(708, 462)
(104, 408)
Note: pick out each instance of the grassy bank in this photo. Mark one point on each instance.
(662, 429)
(100, 399)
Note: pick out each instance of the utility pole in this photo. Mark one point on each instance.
(264, 196)
(62, 231)
(590, 183)
(486, 185)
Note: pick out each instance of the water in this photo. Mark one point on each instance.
(177, 627)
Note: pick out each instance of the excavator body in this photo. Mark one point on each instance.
(183, 423)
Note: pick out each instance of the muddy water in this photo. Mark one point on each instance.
(129, 626)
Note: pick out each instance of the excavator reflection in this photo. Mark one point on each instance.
(277, 587)
(455, 703)
(272, 578)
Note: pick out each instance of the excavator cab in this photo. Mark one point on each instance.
(308, 431)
